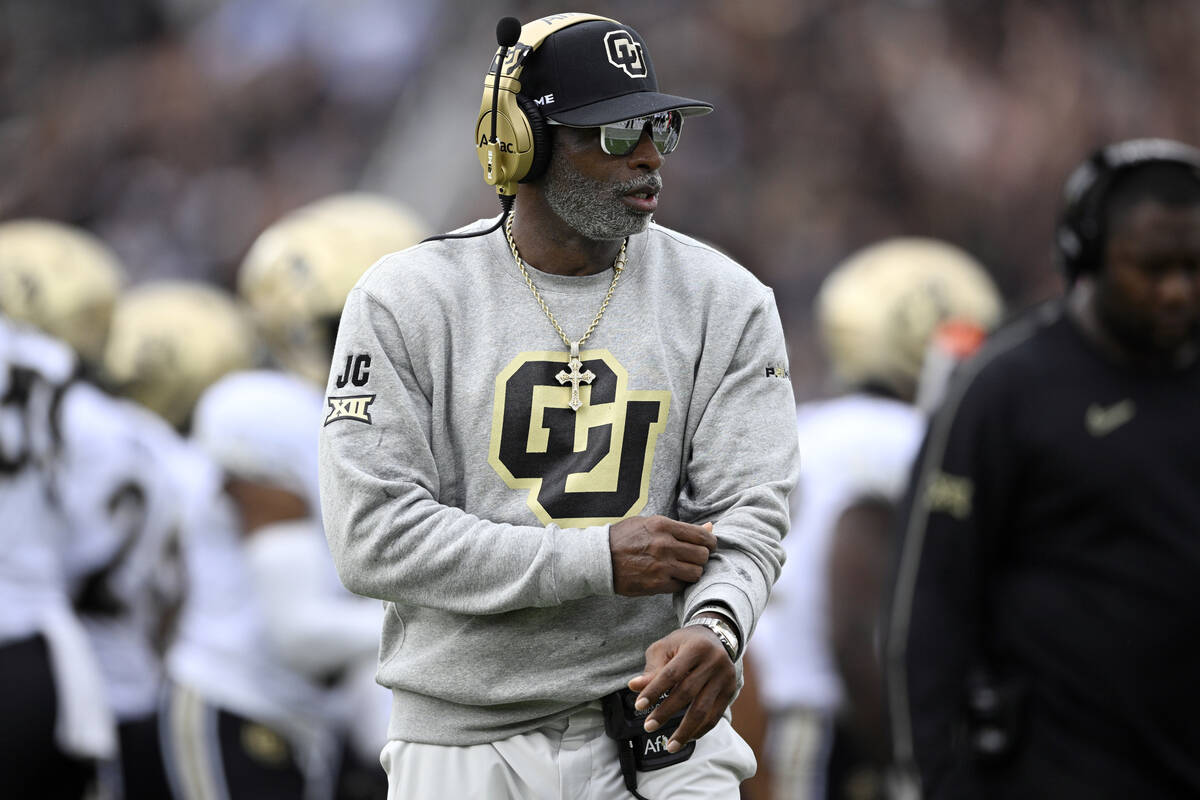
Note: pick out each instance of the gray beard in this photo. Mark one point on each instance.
(592, 208)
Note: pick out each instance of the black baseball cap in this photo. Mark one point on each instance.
(595, 73)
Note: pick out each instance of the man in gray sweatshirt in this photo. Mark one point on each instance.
(559, 446)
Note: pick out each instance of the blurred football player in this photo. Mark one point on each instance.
(267, 628)
(167, 342)
(170, 340)
(295, 279)
(297, 273)
(880, 313)
(119, 487)
(117, 484)
(57, 724)
(108, 485)
(60, 279)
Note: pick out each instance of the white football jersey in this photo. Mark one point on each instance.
(850, 447)
(223, 647)
(34, 372)
(123, 510)
(314, 625)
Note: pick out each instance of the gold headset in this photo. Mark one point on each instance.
(512, 138)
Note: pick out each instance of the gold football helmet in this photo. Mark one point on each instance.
(877, 311)
(60, 279)
(296, 275)
(171, 339)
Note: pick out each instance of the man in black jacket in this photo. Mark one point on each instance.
(1042, 639)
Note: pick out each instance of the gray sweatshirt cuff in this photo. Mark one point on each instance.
(584, 564)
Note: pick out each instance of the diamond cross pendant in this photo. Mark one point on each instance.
(575, 377)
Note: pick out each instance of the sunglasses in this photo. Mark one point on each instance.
(621, 138)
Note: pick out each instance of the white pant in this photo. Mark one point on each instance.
(572, 759)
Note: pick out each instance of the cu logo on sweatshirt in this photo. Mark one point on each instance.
(580, 468)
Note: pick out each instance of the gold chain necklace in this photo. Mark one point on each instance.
(575, 377)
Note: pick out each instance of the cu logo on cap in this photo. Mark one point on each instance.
(625, 53)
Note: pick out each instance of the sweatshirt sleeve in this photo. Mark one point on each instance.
(743, 462)
(953, 520)
(390, 536)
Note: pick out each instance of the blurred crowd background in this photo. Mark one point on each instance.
(178, 129)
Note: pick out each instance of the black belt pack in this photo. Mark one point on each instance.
(638, 750)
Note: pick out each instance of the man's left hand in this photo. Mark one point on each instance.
(691, 664)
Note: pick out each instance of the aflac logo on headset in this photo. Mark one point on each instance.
(625, 53)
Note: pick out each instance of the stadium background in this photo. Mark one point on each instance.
(178, 129)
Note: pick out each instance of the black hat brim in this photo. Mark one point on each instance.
(628, 106)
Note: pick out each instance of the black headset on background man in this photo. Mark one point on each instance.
(1081, 235)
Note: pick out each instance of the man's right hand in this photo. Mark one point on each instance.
(658, 555)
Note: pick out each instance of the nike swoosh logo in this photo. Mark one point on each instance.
(1101, 421)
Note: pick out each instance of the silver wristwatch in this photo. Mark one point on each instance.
(723, 630)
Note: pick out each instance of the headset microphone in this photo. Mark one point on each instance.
(508, 31)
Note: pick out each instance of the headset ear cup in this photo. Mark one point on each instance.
(1088, 220)
(1070, 249)
(1078, 227)
(539, 135)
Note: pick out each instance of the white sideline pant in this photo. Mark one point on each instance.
(572, 759)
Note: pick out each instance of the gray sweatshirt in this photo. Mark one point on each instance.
(459, 487)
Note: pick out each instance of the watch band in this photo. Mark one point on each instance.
(723, 630)
(712, 608)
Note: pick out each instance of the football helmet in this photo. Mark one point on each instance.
(297, 273)
(258, 425)
(878, 310)
(60, 279)
(171, 339)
